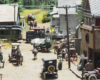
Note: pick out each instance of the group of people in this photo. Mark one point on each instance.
(16, 52)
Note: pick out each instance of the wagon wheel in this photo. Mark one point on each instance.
(44, 75)
(21, 60)
(17, 60)
(27, 40)
(9, 58)
(57, 74)
(92, 77)
(3, 65)
(85, 76)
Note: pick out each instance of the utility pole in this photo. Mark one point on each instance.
(67, 29)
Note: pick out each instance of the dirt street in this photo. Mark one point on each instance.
(31, 70)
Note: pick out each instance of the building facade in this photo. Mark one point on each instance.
(90, 31)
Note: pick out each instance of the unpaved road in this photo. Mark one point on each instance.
(31, 70)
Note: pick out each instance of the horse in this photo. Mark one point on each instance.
(30, 17)
(61, 45)
(35, 51)
(33, 23)
(19, 57)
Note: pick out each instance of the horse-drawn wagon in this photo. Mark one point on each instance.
(16, 53)
(43, 44)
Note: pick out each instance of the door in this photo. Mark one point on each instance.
(97, 60)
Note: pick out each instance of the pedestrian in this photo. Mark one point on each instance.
(58, 52)
(35, 46)
(89, 66)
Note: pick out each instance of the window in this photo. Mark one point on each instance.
(14, 32)
(87, 38)
(2, 32)
(10, 32)
(90, 21)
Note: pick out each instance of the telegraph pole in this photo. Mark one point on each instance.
(67, 29)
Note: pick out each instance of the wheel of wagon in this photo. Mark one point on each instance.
(44, 75)
(27, 40)
(92, 77)
(9, 58)
(21, 58)
(3, 64)
(60, 66)
(85, 76)
(57, 74)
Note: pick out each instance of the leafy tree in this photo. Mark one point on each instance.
(81, 17)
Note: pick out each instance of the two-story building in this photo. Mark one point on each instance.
(72, 15)
(90, 31)
(10, 22)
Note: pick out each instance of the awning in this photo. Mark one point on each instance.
(77, 26)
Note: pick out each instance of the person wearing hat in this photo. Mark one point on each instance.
(89, 66)
(35, 46)
(63, 53)
(58, 52)
(17, 48)
(60, 62)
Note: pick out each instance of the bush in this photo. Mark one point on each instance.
(20, 21)
(46, 18)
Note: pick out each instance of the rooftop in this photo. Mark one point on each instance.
(62, 3)
(95, 7)
(7, 13)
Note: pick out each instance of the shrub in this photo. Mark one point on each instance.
(46, 18)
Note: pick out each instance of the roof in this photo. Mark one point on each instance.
(48, 59)
(15, 44)
(95, 7)
(37, 28)
(77, 26)
(7, 13)
(86, 27)
(62, 3)
(10, 27)
(55, 11)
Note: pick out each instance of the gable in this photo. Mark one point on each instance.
(92, 8)
(86, 6)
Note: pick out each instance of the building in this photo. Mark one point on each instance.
(10, 22)
(90, 31)
(72, 15)
(54, 17)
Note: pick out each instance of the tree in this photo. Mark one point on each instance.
(81, 17)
